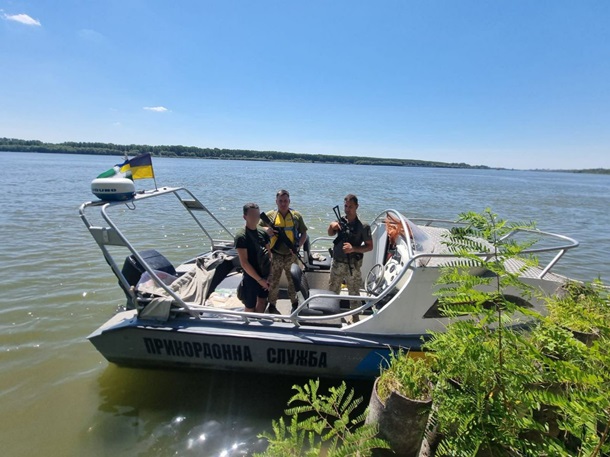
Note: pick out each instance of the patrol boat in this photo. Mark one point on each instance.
(185, 314)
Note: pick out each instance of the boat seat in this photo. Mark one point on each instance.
(318, 306)
(313, 261)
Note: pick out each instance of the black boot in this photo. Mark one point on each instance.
(272, 309)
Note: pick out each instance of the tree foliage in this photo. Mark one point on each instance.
(323, 424)
(501, 390)
(497, 389)
(16, 145)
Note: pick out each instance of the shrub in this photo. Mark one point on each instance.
(410, 377)
(508, 391)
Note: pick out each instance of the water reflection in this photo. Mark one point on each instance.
(192, 413)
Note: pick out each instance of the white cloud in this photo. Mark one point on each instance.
(157, 109)
(22, 18)
(91, 35)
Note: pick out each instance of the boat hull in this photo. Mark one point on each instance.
(250, 347)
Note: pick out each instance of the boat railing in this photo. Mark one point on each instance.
(319, 239)
(415, 260)
(419, 260)
(370, 300)
(565, 243)
(112, 235)
(201, 312)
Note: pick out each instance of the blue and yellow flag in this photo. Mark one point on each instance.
(140, 167)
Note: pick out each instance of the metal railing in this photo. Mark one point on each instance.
(112, 235)
(105, 236)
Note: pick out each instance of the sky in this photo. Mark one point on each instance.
(513, 84)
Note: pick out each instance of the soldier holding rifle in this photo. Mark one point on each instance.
(288, 232)
(352, 241)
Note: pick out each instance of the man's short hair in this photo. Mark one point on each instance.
(248, 206)
(282, 192)
(351, 198)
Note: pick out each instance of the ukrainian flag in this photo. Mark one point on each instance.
(140, 167)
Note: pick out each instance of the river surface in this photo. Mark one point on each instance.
(59, 397)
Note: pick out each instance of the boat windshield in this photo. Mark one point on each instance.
(422, 242)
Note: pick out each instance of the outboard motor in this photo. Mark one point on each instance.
(132, 269)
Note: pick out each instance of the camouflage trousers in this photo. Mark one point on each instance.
(281, 263)
(339, 272)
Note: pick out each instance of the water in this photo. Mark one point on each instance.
(59, 397)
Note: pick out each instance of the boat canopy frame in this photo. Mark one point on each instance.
(112, 235)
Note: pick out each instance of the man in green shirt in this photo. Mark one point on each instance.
(284, 248)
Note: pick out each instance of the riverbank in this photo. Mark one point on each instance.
(178, 151)
(17, 145)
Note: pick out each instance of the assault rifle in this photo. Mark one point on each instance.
(343, 234)
(281, 234)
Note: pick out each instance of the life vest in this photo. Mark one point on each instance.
(287, 224)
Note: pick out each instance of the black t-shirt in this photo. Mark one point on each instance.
(254, 241)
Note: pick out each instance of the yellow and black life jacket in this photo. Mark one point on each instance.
(288, 224)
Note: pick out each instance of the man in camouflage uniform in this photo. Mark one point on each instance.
(284, 248)
(348, 250)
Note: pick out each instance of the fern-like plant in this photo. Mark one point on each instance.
(508, 391)
(488, 262)
(583, 308)
(498, 390)
(323, 424)
(576, 385)
(481, 365)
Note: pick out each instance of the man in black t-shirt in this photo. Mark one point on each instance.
(252, 244)
(349, 249)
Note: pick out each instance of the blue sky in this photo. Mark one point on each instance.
(517, 84)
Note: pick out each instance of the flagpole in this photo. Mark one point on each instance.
(153, 173)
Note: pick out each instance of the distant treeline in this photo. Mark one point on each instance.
(15, 145)
(595, 171)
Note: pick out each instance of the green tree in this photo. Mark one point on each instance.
(323, 424)
(502, 390)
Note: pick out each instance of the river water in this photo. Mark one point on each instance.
(59, 397)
